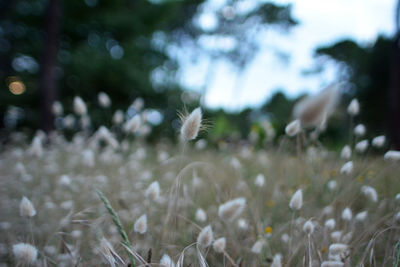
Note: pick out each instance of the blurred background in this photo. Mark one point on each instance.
(245, 62)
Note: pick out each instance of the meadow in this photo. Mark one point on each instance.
(98, 200)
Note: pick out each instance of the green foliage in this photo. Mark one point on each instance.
(121, 48)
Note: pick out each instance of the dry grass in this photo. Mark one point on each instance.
(71, 220)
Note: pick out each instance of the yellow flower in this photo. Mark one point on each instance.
(360, 179)
(268, 230)
(323, 249)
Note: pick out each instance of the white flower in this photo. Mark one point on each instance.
(330, 224)
(257, 247)
(153, 191)
(25, 254)
(362, 146)
(293, 128)
(26, 208)
(205, 237)
(370, 193)
(392, 155)
(79, 106)
(297, 200)
(347, 168)
(379, 141)
(354, 107)
(346, 152)
(166, 261)
(104, 100)
(191, 125)
(141, 224)
(260, 180)
(201, 215)
(347, 214)
(232, 209)
(219, 245)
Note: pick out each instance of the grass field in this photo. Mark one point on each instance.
(72, 226)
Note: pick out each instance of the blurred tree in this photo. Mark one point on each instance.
(367, 69)
(395, 84)
(121, 47)
(279, 109)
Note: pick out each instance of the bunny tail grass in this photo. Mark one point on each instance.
(117, 223)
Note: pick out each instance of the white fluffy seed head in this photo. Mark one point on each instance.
(362, 146)
(347, 215)
(219, 245)
(26, 208)
(36, 147)
(257, 247)
(332, 264)
(347, 168)
(360, 130)
(297, 200)
(308, 227)
(332, 184)
(336, 236)
(354, 107)
(379, 141)
(191, 125)
(277, 261)
(314, 110)
(141, 224)
(361, 216)
(260, 180)
(242, 224)
(133, 124)
(166, 261)
(370, 193)
(232, 209)
(330, 224)
(79, 106)
(118, 117)
(346, 152)
(104, 100)
(337, 248)
(153, 191)
(293, 128)
(201, 215)
(392, 155)
(24, 253)
(57, 108)
(205, 237)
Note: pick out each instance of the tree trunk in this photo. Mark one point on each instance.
(48, 79)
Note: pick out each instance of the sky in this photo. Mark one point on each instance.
(320, 23)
